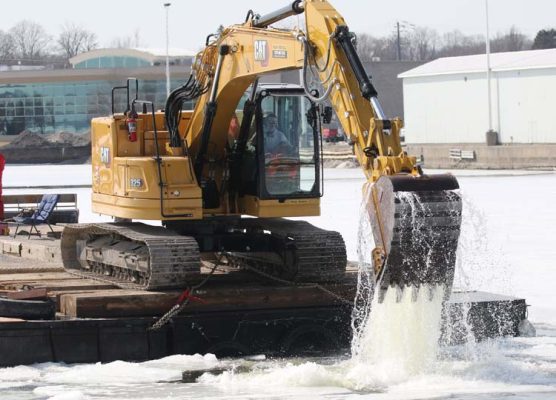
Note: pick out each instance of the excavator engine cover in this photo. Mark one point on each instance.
(416, 224)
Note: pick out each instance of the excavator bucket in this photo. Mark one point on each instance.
(416, 223)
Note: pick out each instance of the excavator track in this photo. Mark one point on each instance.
(131, 255)
(303, 252)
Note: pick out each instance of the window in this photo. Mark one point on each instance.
(290, 149)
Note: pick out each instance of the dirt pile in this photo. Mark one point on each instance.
(70, 139)
(339, 155)
(27, 139)
(351, 163)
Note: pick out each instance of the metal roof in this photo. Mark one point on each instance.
(150, 55)
(515, 60)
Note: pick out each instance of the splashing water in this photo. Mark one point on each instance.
(480, 265)
(395, 341)
(401, 336)
(398, 336)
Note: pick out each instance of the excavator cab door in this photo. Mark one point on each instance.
(288, 146)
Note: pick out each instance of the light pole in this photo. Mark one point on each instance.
(491, 135)
(167, 7)
(488, 67)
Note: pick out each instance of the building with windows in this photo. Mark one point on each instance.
(57, 100)
(52, 100)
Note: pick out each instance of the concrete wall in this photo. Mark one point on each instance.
(518, 156)
(454, 108)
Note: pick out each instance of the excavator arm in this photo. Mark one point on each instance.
(332, 54)
(415, 218)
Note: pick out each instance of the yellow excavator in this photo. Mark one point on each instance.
(252, 150)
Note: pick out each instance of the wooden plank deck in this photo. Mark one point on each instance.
(226, 290)
(128, 303)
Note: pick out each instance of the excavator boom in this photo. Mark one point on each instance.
(415, 218)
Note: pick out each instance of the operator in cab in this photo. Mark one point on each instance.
(275, 142)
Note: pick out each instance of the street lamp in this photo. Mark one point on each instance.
(491, 135)
(166, 7)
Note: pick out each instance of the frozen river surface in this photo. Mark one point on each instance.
(507, 246)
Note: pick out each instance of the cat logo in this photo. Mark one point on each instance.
(261, 52)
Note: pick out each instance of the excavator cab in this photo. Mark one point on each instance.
(282, 156)
(287, 145)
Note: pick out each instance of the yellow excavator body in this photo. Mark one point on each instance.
(253, 150)
(126, 183)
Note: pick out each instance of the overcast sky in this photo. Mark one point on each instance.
(191, 21)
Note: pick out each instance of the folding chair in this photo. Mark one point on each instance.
(40, 216)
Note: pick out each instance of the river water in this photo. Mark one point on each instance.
(507, 246)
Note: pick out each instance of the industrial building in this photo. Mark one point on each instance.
(446, 111)
(446, 100)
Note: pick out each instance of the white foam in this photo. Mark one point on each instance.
(399, 340)
(117, 372)
(185, 362)
(18, 374)
(59, 392)
(401, 336)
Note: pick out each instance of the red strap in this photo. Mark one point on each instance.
(187, 295)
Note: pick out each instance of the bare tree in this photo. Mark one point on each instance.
(30, 40)
(7, 47)
(513, 40)
(74, 40)
(456, 43)
(387, 48)
(422, 44)
(127, 42)
(366, 47)
(371, 48)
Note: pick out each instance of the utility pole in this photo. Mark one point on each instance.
(167, 7)
(491, 135)
(399, 42)
(488, 68)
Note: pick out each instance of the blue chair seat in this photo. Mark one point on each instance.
(41, 215)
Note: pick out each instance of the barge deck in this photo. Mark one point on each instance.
(236, 313)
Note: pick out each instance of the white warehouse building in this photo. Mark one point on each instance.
(446, 100)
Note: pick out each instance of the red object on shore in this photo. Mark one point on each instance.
(2, 163)
(330, 134)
